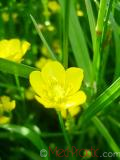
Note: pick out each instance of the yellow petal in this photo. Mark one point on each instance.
(37, 82)
(13, 49)
(29, 93)
(5, 99)
(20, 51)
(9, 106)
(3, 48)
(74, 110)
(45, 103)
(4, 119)
(14, 46)
(25, 46)
(75, 100)
(74, 77)
(9, 47)
(42, 62)
(64, 113)
(53, 71)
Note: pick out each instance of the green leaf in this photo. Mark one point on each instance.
(29, 134)
(10, 67)
(65, 28)
(78, 43)
(116, 31)
(106, 98)
(29, 153)
(105, 133)
(91, 20)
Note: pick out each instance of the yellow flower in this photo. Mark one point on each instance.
(56, 87)
(41, 62)
(53, 6)
(50, 28)
(6, 106)
(4, 119)
(29, 93)
(13, 49)
(5, 16)
(44, 51)
(80, 13)
(56, 46)
(73, 111)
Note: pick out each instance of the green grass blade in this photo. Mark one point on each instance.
(78, 43)
(91, 19)
(66, 32)
(106, 98)
(99, 32)
(29, 134)
(29, 153)
(42, 38)
(114, 121)
(105, 133)
(10, 67)
(116, 30)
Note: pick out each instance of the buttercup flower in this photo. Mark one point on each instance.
(6, 106)
(56, 87)
(73, 111)
(13, 49)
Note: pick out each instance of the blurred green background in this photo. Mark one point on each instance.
(42, 124)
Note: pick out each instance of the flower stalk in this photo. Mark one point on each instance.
(64, 132)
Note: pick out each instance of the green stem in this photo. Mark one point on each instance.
(101, 15)
(21, 92)
(64, 132)
(99, 30)
(58, 134)
(63, 129)
(106, 19)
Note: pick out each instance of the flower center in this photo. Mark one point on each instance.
(57, 91)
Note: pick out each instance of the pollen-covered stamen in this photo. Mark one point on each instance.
(68, 89)
(57, 91)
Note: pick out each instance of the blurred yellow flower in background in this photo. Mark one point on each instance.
(13, 49)
(4, 120)
(55, 47)
(29, 93)
(41, 62)
(53, 6)
(56, 87)
(6, 106)
(44, 51)
(5, 16)
(80, 13)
